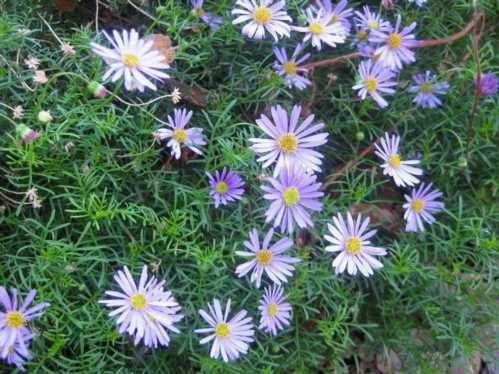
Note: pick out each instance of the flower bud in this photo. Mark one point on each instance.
(359, 135)
(44, 116)
(97, 89)
(27, 134)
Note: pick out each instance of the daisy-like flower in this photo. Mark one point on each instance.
(292, 195)
(488, 84)
(209, 18)
(261, 16)
(14, 319)
(402, 172)
(231, 337)
(418, 2)
(351, 240)
(368, 21)
(319, 29)
(275, 311)
(132, 58)
(19, 352)
(374, 80)
(32, 62)
(338, 13)
(180, 136)
(266, 258)
(290, 67)
(428, 90)
(395, 45)
(226, 186)
(421, 205)
(18, 112)
(289, 142)
(145, 311)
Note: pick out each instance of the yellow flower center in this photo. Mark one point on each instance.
(272, 309)
(180, 135)
(263, 256)
(262, 15)
(138, 301)
(289, 67)
(426, 87)
(372, 24)
(353, 245)
(316, 28)
(334, 19)
(361, 35)
(370, 84)
(221, 187)
(287, 142)
(222, 330)
(130, 60)
(417, 205)
(394, 160)
(14, 320)
(394, 40)
(291, 196)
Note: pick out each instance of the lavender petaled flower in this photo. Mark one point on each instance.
(13, 321)
(488, 84)
(375, 79)
(418, 2)
(275, 311)
(388, 4)
(338, 13)
(267, 258)
(289, 142)
(319, 29)
(428, 90)
(292, 195)
(19, 352)
(395, 49)
(261, 16)
(180, 136)
(226, 186)
(145, 311)
(231, 337)
(290, 67)
(209, 18)
(350, 239)
(369, 21)
(402, 171)
(421, 205)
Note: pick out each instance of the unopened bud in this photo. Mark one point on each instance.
(97, 89)
(44, 116)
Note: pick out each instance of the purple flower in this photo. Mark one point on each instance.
(27, 134)
(428, 90)
(338, 13)
(418, 2)
(226, 186)
(19, 353)
(388, 4)
(209, 18)
(350, 239)
(420, 206)
(488, 84)
(289, 67)
(178, 135)
(394, 51)
(13, 322)
(275, 311)
(145, 311)
(292, 195)
(289, 142)
(266, 258)
(369, 21)
(375, 79)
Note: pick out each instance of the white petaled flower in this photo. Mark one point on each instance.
(266, 258)
(421, 205)
(402, 171)
(352, 242)
(275, 311)
(179, 136)
(289, 142)
(146, 311)
(419, 3)
(133, 58)
(32, 62)
(319, 29)
(261, 16)
(231, 337)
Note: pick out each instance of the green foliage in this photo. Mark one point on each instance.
(114, 199)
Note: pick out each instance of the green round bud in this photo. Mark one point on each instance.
(360, 136)
(462, 162)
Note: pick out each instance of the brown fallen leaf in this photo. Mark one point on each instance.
(65, 6)
(163, 44)
(381, 213)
